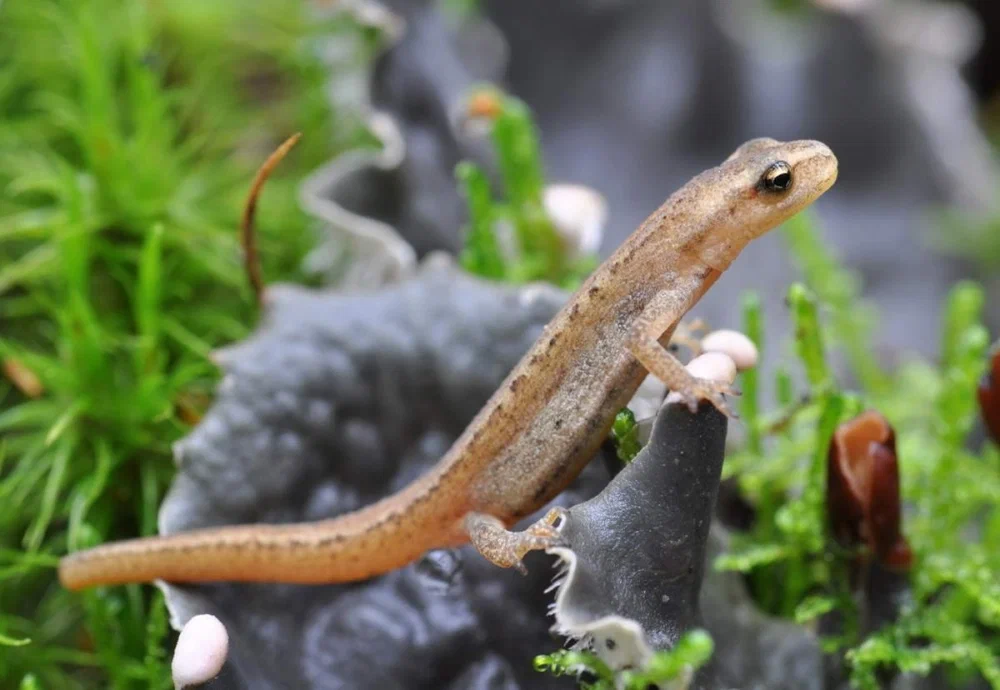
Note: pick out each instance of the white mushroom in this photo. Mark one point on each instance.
(740, 348)
(201, 651)
(715, 366)
(579, 214)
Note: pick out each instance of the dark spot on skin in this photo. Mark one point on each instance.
(593, 291)
(553, 339)
(417, 500)
(332, 539)
(732, 210)
(554, 479)
(534, 359)
(610, 644)
(515, 383)
(558, 424)
(541, 492)
(573, 312)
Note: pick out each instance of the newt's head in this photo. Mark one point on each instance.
(761, 185)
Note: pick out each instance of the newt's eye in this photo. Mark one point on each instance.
(778, 177)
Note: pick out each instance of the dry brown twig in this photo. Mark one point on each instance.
(248, 239)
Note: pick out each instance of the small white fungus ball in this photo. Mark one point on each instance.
(579, 215)
(201, 651)
(740, 348)
(714, 366)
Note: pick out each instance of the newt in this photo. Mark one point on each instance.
(544, 423)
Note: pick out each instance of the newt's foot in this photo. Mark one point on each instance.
(707, 389)
(504, 548)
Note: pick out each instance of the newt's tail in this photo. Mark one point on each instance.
(368, 542)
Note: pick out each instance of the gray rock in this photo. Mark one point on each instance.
(752, 650)
(637, 549)
(338, 400)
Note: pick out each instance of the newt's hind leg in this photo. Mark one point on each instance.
(504, 548)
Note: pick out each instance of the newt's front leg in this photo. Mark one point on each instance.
(660, 314)
(504, 548)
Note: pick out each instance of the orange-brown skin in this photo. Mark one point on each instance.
(546, 420)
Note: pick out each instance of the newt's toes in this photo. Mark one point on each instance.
(715, 396)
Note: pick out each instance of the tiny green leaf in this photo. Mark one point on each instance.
(750, 402)
(481, 254)
(625, 434)
(808, 335)
(6, 641)
(813, 607)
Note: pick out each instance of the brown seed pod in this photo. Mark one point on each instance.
(989, 396)
(21, 376)
(863, 504)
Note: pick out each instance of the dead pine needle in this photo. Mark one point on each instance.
(251, 259)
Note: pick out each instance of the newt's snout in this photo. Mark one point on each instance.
(813, 160)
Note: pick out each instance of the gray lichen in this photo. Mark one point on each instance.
(342, 398)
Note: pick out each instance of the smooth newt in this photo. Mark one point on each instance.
(543, 424)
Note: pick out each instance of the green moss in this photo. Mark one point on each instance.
(750, 401)
(950, 491)
(129, 133)
(973, 237)
(668, 669)
(850, 320)
(791, 7)
(535, 251)
(481, 254)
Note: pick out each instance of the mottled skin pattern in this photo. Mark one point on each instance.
(545, 421)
